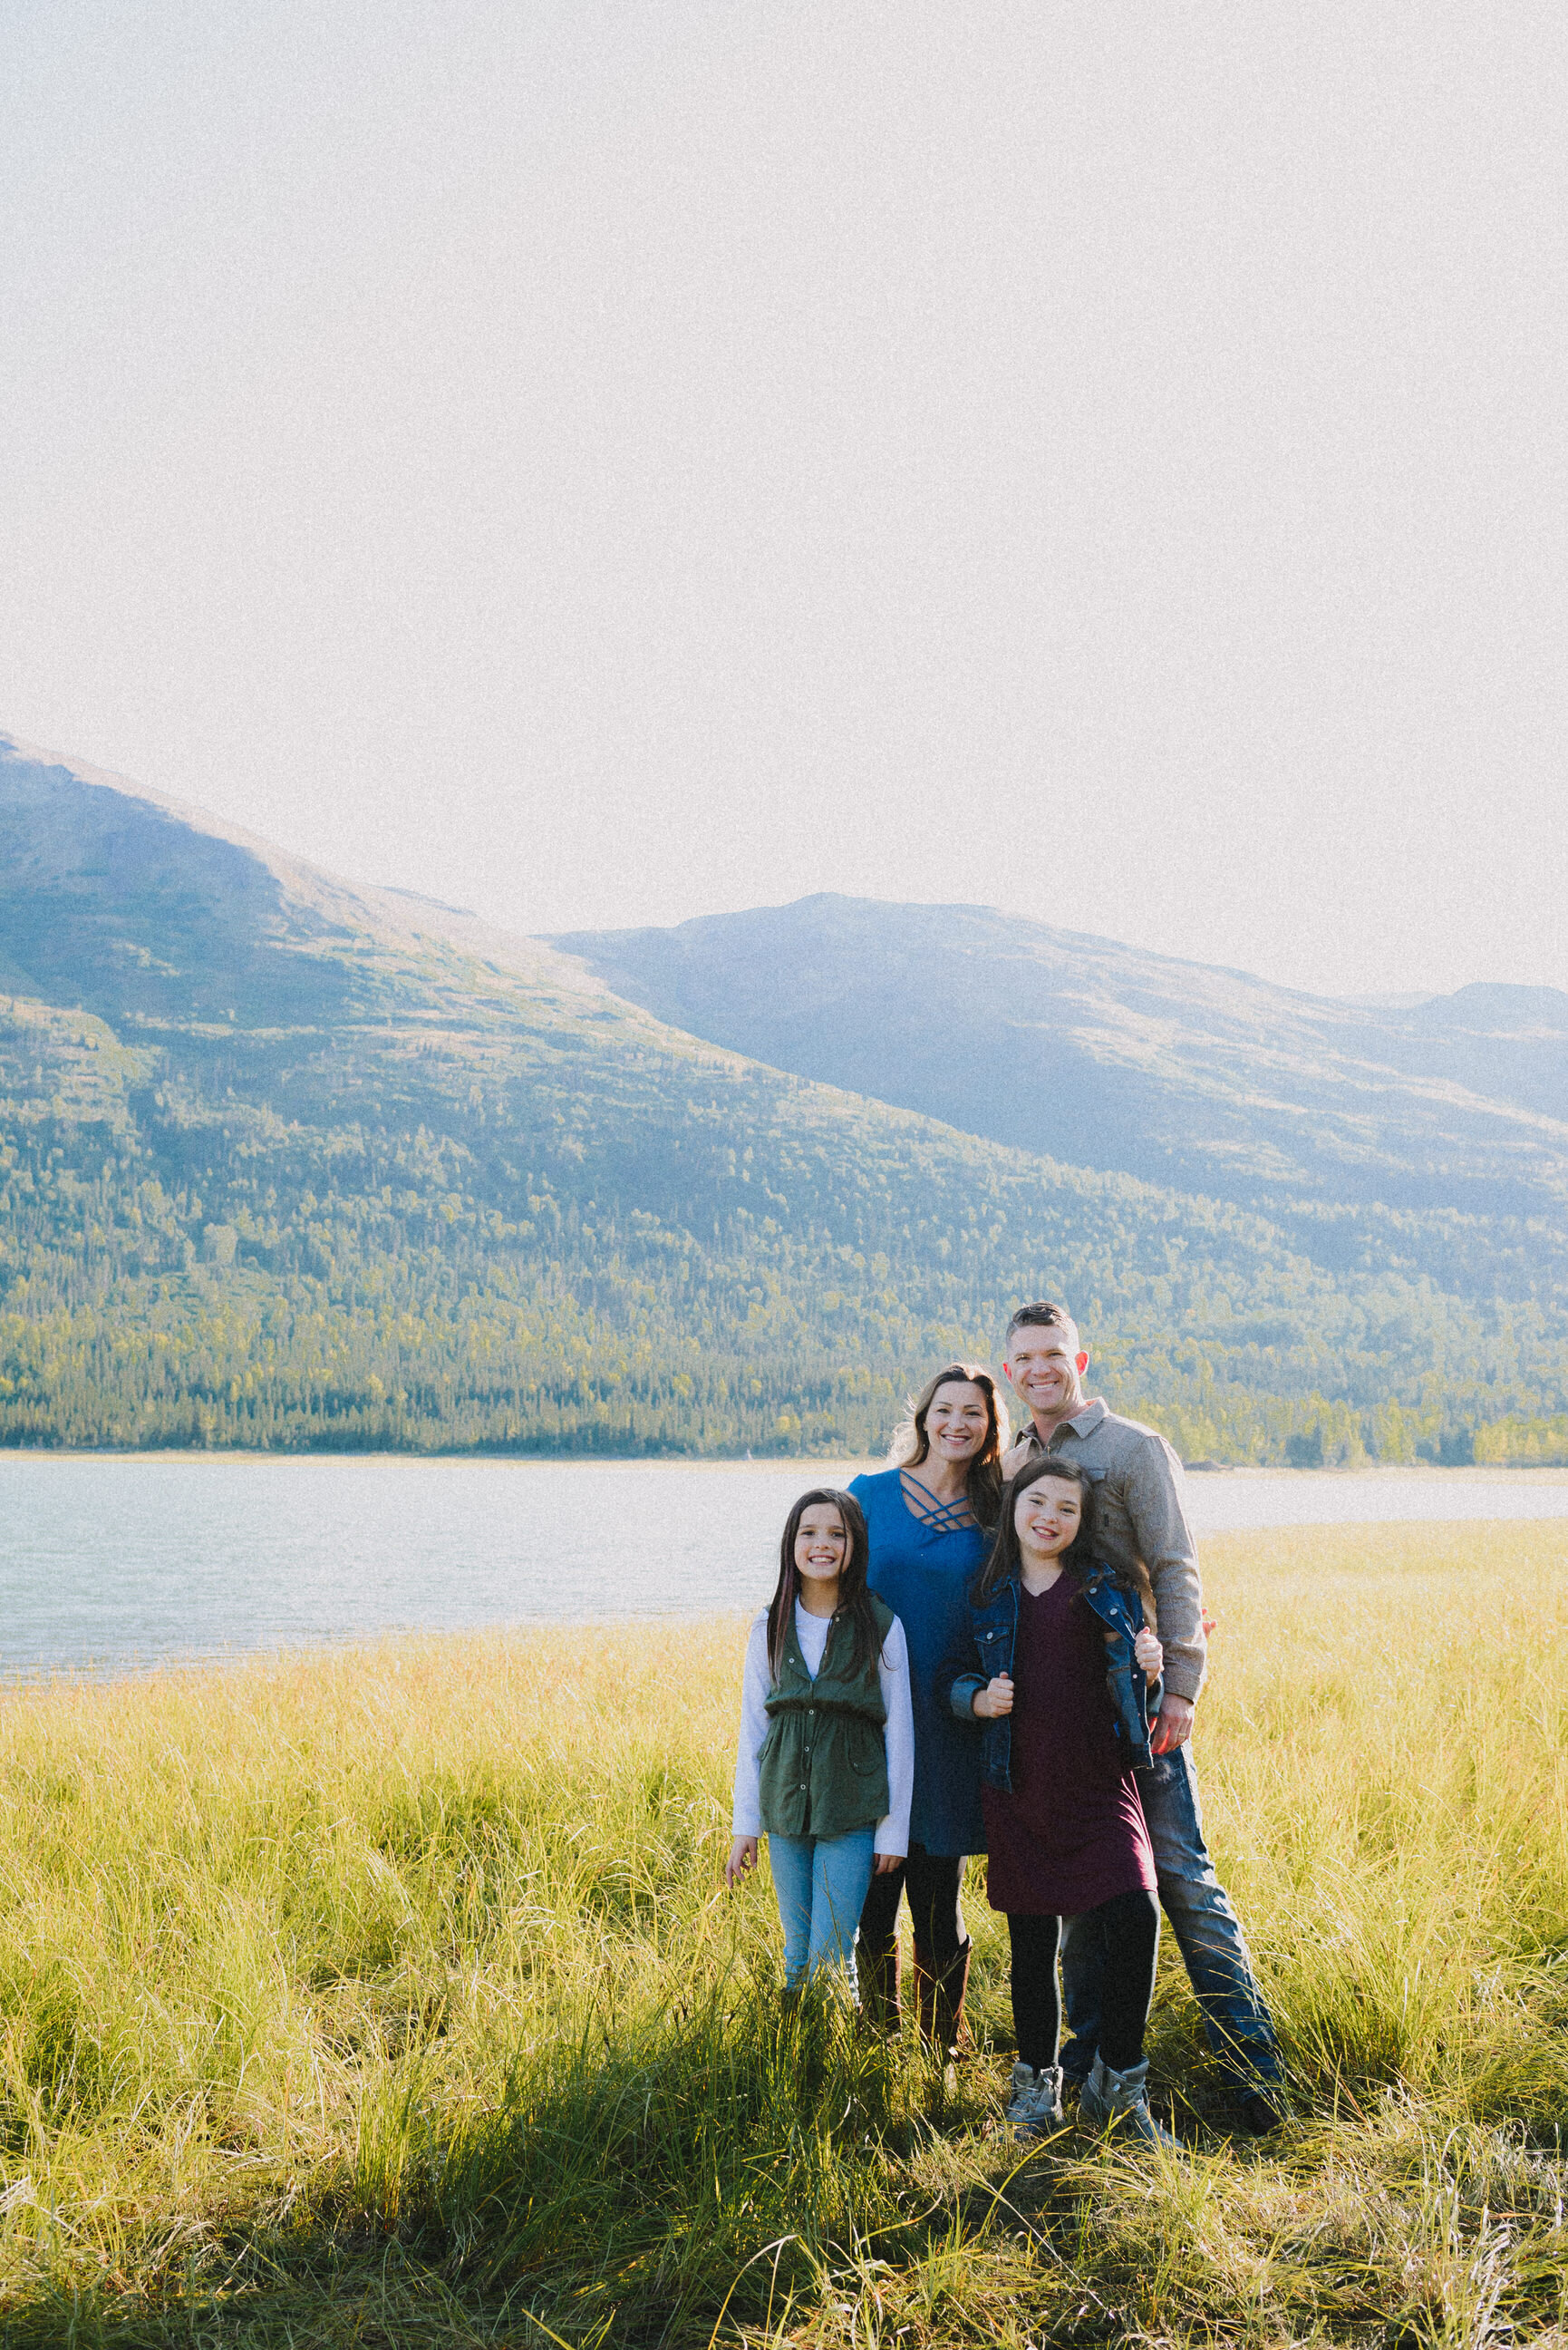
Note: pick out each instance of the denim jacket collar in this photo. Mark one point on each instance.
(994, 1635)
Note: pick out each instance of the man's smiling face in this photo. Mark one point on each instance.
(1045, 1364)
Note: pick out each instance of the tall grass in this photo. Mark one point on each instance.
(394, 1997)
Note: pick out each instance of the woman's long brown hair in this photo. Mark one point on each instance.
(854, 1599)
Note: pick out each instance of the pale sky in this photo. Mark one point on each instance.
(603, 462)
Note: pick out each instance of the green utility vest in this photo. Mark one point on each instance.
(824, 1764)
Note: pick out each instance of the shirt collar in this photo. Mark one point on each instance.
(1082, 1421)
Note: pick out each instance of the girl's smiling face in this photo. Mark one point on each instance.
(1047, 1515)
(821, 1545)
(957, 1421)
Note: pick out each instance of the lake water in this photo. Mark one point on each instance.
(115, 1565)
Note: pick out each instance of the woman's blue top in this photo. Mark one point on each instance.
(923, 1573)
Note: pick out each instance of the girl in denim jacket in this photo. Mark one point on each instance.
(1065, 1830)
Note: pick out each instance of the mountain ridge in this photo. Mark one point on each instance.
(32, 820)
(286, 1163)
(1110, 1055)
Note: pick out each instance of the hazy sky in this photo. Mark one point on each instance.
(603, 462)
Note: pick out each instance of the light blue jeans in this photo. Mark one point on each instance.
(821, 1883)
(1207, 1933)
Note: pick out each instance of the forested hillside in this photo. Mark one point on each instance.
(287, 1165)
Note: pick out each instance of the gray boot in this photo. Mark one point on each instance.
(1120, 2100)
(1034, 2100)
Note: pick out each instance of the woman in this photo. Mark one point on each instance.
(928, 1520)
(1064, 1828)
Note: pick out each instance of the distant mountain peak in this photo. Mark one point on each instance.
(1500, 1004)
(136, 904)
(1110, 1055)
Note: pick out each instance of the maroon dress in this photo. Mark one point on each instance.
(1071, 1833)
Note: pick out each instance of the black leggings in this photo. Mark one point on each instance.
(1131, 1923)
(934, 1883)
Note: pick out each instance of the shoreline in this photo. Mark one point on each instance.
(1469, 1473)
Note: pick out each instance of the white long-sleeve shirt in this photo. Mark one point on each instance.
(898, 1736)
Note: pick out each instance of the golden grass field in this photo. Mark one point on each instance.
(393, 1997)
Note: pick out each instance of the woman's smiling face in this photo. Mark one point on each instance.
(821, 1544)
(958, 1420)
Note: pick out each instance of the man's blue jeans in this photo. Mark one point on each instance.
(821, 1883)
(1207, 1930)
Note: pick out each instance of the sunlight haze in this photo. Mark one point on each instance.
(607, 463)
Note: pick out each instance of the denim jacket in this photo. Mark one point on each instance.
(994, 1627)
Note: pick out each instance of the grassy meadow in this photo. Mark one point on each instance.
(394, 1997)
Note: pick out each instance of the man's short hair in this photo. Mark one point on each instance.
(1041, 1315)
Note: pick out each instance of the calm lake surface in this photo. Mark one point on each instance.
(116, 1564)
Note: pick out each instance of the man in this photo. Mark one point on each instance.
(1141, 1527)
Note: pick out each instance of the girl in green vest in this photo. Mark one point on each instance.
(826, 1760)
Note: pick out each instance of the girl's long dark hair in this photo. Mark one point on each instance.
(1004, 1560)
(854, 1599)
